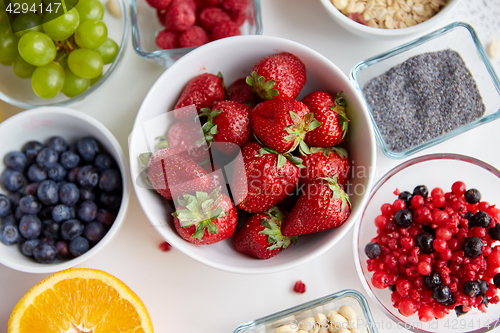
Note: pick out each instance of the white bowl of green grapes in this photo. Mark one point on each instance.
(56, 52)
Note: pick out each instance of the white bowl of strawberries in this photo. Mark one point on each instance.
(266, 161)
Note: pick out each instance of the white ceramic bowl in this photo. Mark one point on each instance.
(40, 124)
(386, 34)
(234, 58)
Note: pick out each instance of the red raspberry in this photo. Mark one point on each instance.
(403, 287)
(167, 39)
(239, 18)
(407, 307)
(160, 14)
(299, 287)
(190, 3)
(165, 246)
(159, 4)
(180, 16)
(194, 36)
(235, 6)
(213, 2)
(225, 29)
(210, 16)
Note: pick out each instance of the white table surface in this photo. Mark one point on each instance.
(183, 295)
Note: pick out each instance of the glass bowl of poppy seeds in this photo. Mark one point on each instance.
(428, 90)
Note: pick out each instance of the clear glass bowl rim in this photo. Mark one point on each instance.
(136, 39)
(410, 45)
(93, 88)
(312, 304)
(375, 188)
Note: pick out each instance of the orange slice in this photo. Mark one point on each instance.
(80, 300)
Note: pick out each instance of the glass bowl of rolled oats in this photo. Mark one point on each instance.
(388, 19)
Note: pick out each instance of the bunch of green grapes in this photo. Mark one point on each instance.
(60, 53)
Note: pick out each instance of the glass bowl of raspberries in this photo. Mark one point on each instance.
(427, 244)
(165, 30)
(64, 189)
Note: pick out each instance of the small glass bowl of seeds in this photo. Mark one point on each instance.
(429, 90)
(345, 311)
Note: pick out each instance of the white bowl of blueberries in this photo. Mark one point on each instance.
(64, 189)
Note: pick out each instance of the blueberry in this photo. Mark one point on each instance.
(472, 196)
(11, 180)
(421, 190)
(48, 192)
(29, 205)
(15, 160)
(110, 200)
(373, 250)
(406, 197)
(36, 174)
(496, 280)
(5, 206)
(31, 149)
(87, 148)
(69, 160)
(459, 310)
(48, 240)
(28, 246)
(424, 242)
(86, 194)
(103, 161)
(87, 211)
(110, 180)
(73, 174)
(45, 253)
(480, 219)
(30, 226)
(441, 293)
(471, 288)
(71, 229)
(106, 217)
(468, 216)
(47, 158)
(88, 177)
(51, 229)
(69, 194)
(14, 199)
(62, 247)
(494, 232)
(18, 214)
(79, 246)
(57, 144)
(31, 189)
(483, 287)
(472, 247)
(61, 213)
(94, 232)
(403, 218)
(9, 234)
(57, 172)
(432, 280)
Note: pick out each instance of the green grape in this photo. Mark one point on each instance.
(91, 34)
(108, 51)
(60, 27)
(90, 10)
(24, 23)
(73, 84)
(47, 81)
(4, 19)
(8, 46)
(85, 63)
(37, 48)
(94, 80)
(6, 62)
(21, 68)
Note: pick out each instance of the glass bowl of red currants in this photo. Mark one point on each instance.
(426, 247)
(56, 53)
(165, 30)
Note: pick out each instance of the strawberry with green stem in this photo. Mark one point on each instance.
(260, 237)
(282, 124)
(204, 219)
(329, 162)
(331, 113)
(323, 206)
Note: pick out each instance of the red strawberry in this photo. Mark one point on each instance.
(325, 162)
(205, 218)
(187, 138)
(203, 91)
(193, 36)
(216, 176)
(225, 29)
(159, 4)
(228, 121)
(239, 91)
(331, 114)
(323, 206)
(260, 237)
(264, 179)
(281, 124)
(167, 39)
(278, 76)
(210, 16)
(172, 174)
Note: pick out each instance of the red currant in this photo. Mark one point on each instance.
(417, 201)
(381, 221)
(437, 191)
(425, 313)
(407, 307)
(424, 268)
(444, 233)
(439, 245)
(380, 280)
(458, 188)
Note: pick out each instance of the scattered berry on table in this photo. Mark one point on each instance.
(165, 246)
(299, 287)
